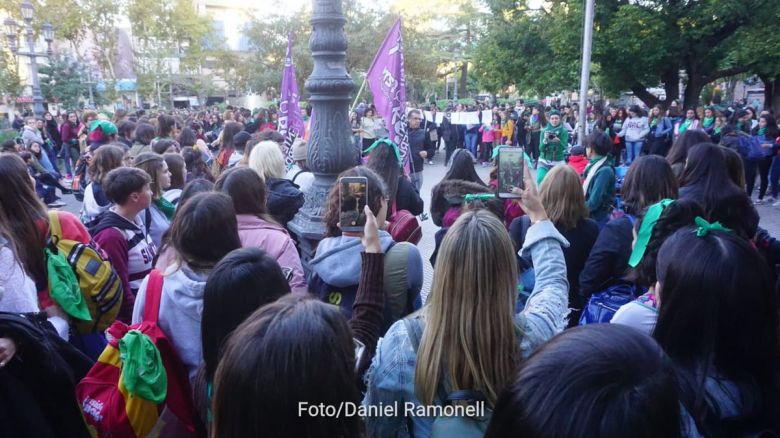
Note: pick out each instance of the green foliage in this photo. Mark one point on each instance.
(62, 80)
(10, 82)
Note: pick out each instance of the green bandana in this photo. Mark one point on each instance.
(716, 131)
(684, 126)
(762, 131)
(703, 228)
(166, 207)
(653, 121)
(478, 197)
(64, 286)
(739, 126)
(707, 122)
(389, 143)
(646, 231)
(143, 373)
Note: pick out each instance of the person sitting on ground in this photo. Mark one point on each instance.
(626, 389)
(470, 314)
(202, 233)
(299, 173)
(96, 202)
(120, 232)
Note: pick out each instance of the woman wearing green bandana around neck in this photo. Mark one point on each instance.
(765, 132)
(708, 122)
(552, 145)
(157, 217)
(658, 222)
(599, 177)
(691, 122)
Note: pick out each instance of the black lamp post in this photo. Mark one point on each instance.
(48, 35)
(330, 148)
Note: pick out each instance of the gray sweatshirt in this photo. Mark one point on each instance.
(635, 129)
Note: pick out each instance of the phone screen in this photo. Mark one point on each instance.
(353, 193)
(510, 171)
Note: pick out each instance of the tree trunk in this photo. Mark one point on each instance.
(671, 79)
(773, 100)
(645, 96)
(464, 73)
(770, 89)
(692, 91)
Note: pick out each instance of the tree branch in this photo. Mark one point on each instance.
(731, 71)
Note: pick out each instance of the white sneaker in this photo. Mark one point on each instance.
(776, 204)
(56, 204)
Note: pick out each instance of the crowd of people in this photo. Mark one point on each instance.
(627, 290)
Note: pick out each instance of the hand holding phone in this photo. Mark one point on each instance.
(353, 198)
(510, 172)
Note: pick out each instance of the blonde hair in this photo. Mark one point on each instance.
(562, 197)
(267, 160)
(469, 336)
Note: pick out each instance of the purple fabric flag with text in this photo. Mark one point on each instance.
(291, 123)
(387, 82)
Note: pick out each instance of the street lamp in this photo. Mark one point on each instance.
(48, 35)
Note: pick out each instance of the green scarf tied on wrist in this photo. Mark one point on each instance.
(143, 373)
(646, 231)
(165, 206)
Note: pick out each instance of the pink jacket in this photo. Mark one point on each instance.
(274, 240)
(488, 133)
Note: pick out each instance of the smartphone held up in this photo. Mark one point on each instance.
(510, 172)
(353, 197)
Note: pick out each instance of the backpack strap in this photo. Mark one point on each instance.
(55, 228)
(148, 219)
(414, 330)
(296, 175)
(153, 296)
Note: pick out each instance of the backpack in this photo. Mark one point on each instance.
(112, 409)
(602, 306)
(455, 426)
(403, 226)
(99, 284)
(750, 148)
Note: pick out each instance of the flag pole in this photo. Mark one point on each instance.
(360, 91)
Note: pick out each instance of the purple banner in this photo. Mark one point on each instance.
(291, 123)
(388, 85)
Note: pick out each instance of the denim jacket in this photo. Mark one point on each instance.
(663, 127)
(390, 380)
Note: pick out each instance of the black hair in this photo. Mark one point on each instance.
(679, 151)
(268, 368)
(649, 180)
(706, 179)
(144, 133)
(125, 128)
(165, 125)
(247, 191)
(8, 146)
(678, 214)
(462, 168)
(194, 187)
(187, 137)
(204, 229)
(771, 127)
(123, 181)
(244, 281)
(274, 136)
(599, 142)
(162, 146)
(600, 380)
(383, 161)
(718, 315)
(177, 168)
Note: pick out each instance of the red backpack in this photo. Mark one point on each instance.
(403, 226)
(110, 410)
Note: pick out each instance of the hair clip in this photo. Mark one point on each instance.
(703, 228)
(478, 197)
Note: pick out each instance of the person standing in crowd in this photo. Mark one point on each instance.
(195, 166)
(177, 168)
(126, 134)
(599, 177)
(536, 124)
(489, 130)
(431, 129)
(52, 133)
(765, 133)
(449, 134)
(690, 122)
(144, 134)
(634, 131)
(472, 132)
(708, 121)
(384, 159)
(354, 123)
(156, 218)
(553, 141)
(239, 146)
(368, 124)
(299, 174)
(614, 126)
(659, 137)
(284, 197)
(226, 146)
(470, 313)
(678, 154)
(420, 147)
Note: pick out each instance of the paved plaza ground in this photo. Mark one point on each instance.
(770, 216)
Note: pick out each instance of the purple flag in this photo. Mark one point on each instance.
(291, 123)
(388, 85)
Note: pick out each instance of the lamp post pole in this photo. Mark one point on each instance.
(48, 34)
(330, 150)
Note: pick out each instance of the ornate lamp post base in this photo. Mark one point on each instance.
(330, 148)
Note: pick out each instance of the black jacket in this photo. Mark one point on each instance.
(407, 198)
(608, 260)
(581, 240)
(449, 132)
(37, 387)
(284, 199)
(419, 141)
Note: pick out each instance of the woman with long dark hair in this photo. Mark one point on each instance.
(678, 154)
(384, 160)
(660, 131)
(69, 134)
(460, 180)
(766, 132)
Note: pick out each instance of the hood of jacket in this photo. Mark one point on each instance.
(338, 261)
(185, 289)
(451, 192)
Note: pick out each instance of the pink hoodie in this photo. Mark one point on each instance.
(274, 240)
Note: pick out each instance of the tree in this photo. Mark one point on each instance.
(61, 81)
(10, 82)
